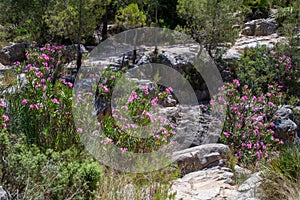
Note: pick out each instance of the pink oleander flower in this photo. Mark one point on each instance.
(245, 98)
(54, 100)
(226, 134)
(146, 90)
(105, 89)
(5, 117)
(271, 104)
(79, 130)
(3, 104)
(169, 90)
(237, 82)
(45, 64)
(249, 145)
(154, 101)
(34, 106)
(45, 56)
(70, 85)
(112, 77)
(37, 86)
(17, 63)
(24, 102)
(132, 97)
(123, 150)
(44, 87)
(258, 154)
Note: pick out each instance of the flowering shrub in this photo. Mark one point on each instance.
(42, 108)
(131, 126)
(262, 66)
(249, 123)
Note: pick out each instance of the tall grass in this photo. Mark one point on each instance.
(282, 175)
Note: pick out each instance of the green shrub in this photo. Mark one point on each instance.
(260, 8)
(262, 66)
(27, 172)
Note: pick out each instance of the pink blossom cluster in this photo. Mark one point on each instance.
(249, 125)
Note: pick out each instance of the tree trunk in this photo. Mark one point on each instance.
(79, 53)
(105, 23)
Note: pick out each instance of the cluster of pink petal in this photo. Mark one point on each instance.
(249, 130)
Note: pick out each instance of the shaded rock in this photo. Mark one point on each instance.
(169, 101)
(192, 127)
(265, 27)
(73, 48)
(12, 53)
(285, 128)
(199, 157)
(259, 27)
(3, 194)
(249, 29)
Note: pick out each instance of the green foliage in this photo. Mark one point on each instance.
(288, 20)
(130, 16)
(262, 5)
(29, 173)
(26, 17)
(262, 66)
(68, 18)
(154, 185)
(282, 175)
(210, 22)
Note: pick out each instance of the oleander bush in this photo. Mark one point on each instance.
(40, 105)
(250, 120)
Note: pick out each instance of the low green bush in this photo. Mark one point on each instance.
(262, 66)
(28, 173)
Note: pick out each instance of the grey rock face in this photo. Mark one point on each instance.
(245, 42)
(200, 157)
(241, 172)
(192, 127)
(12, 53)
(207, 184)
(73, 48)
(3, 194)
(285, 128)
(249, 190)
(260, 27)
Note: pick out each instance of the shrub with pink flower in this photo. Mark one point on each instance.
(249, 123)
(39, 98)
(134, 117)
